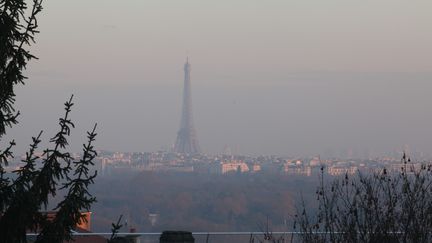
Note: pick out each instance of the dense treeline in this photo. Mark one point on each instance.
(199, 202)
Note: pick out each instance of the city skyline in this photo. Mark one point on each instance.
(293, 111)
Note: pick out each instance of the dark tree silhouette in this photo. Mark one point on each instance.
(377, 207)
(22, 199)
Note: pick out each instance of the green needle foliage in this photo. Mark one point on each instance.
(22, 199)
(77, 198)
(17, 31)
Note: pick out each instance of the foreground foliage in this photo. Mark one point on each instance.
(377, 207)
(40, 177)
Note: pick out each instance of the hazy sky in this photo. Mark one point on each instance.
(285, 77)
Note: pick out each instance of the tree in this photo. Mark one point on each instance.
(377, 207)
(23, 198)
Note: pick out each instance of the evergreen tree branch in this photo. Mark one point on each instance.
(31, 194)
(5, 190)
(13, 56)
(77, 199)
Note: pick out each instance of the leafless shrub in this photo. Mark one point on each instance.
(377, 207)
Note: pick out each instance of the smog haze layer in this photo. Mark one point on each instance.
(268, 77)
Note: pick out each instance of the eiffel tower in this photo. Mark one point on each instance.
(187, 141)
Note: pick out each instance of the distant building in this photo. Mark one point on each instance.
(256, 168)
(82, 227)
(294, 169)
(229, 166)
(341, 170)
(315, 162)
(153, 218)
(237, 166)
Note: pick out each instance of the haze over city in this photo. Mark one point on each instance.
(268, 77)
(215, 121)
